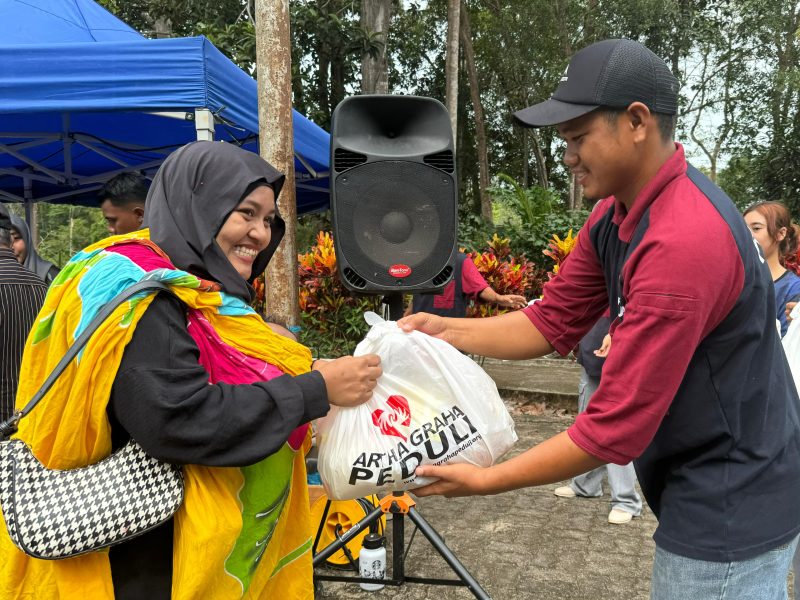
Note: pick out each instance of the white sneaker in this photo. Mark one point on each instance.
(617, 516)
(564, 491)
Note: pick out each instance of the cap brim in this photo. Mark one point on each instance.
(552, 112)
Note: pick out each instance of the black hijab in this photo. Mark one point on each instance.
(33, 262)
(193, 193)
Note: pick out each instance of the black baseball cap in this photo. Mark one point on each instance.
(5, 218)
(612, 74)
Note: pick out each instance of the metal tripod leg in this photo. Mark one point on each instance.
(323, 555)
(447, 554)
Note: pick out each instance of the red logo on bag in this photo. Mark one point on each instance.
(388, 420)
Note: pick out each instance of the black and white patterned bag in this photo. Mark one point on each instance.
(54, 514)
(57, 514)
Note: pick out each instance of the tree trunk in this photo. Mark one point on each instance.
(274, 75)
(162, 28)
(323, 64)
(451, 62)
(375, 15)
(575, 193)
(525, 157)
(541, 165)
(480, 125)
(337, 79)
(589, 22)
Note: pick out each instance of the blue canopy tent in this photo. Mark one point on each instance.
(84, 97)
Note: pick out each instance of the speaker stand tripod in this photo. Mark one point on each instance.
(394, 304)
(399, 505)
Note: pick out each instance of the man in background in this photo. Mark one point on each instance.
(122, 202)
(21, 296)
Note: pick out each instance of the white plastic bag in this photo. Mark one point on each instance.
(791, 344)
(432, 405)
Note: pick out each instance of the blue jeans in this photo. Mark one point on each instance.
(760, 578)
(621, 479)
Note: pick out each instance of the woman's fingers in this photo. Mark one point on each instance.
(350, 380)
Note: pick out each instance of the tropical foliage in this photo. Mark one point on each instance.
(332, 317)
(738, 62)
(559, 250)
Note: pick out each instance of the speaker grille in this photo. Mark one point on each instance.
(443, 277)
(354, 278)
(390, 213)
(441, 160)
(344, 159)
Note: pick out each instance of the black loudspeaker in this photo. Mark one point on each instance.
(393, 193)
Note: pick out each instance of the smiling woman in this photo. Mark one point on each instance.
(248, 229)
(200, 381)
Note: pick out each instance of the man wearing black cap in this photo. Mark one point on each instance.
(695, 388)
(21, 296)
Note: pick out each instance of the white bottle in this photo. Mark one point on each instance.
(372, 561)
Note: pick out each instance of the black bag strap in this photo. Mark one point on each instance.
(9, 426)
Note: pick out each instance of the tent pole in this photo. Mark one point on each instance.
(204, 124)
(30, 210)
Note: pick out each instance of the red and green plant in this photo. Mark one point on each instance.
(558, 250)
(259, 303)
(506, 272)
(331, 316)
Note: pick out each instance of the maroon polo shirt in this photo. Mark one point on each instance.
(680, 281)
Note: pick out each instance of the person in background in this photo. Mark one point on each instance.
(198, 379)
(26, 254)
(122, 201)
(777, 236)
(21, 297)
(625, 501)
(772, 227)
(467, 284)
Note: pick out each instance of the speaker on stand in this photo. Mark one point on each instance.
(395, 214)
(394, 195)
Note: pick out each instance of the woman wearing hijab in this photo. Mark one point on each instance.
(26, 254)
(201, 381)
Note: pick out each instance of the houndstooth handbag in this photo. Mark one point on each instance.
(54, 514)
